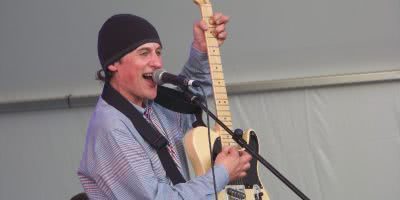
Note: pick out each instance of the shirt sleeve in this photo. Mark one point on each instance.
(197, 68)
(124, 171)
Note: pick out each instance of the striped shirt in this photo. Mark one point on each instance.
(118, 164)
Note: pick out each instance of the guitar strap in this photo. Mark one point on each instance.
(148, 133)
(175, 100)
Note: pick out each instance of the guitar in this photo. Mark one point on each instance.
(196, 140)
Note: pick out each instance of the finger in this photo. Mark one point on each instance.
(215, 19)
(221, 41)
(222, 20)
(233, 149)
(222, 36)
(242, 151)
(242, 174)
(246, 166)
(219, 18)
(202, 25)
(245, 155)
(234, 152)
(220, 28)
(244, 160)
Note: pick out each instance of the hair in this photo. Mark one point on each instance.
(100, 75)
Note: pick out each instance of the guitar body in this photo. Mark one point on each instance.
(197, 149)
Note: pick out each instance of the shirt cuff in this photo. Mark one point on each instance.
(199, 61)
(221, 177)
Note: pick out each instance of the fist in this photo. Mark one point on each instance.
(235, 162)
(219, 21)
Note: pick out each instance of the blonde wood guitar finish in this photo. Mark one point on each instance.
(196, 140)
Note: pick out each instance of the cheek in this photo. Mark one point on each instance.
(132, 75)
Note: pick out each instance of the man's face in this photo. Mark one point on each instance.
(133, 73)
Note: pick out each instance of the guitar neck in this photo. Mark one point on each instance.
(217, 76)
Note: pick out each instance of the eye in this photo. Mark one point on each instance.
(144, 53)
(158, 52)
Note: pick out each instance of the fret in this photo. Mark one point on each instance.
(223, 96)
(229, 142)
(233, 143)
(206, 10)
(219, 83)
(226, 136)
(219, 89)
(216, 67)
(212, 43)
(225, 143)
(215, 60)
(224, 133)
(224, 113)
(226, 119)
(222, 108)
(217, 75)
(214, 51)
(228, 124)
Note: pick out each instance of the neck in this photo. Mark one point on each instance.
(131, 98)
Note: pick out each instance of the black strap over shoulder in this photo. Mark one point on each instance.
(175, 100)
(149, 134)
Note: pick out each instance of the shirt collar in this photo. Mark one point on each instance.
(147, 104)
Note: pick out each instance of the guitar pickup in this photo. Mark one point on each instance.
(235, 193)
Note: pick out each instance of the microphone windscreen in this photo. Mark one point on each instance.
(157, 74)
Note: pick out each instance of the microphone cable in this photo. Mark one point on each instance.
(209, 142)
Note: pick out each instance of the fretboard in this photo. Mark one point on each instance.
(217, 76)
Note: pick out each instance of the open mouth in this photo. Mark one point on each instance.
(148, 76)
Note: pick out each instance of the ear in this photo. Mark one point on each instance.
(112, 68)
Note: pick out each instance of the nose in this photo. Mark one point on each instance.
(156, 61)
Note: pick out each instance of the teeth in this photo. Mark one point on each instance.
(148, 75)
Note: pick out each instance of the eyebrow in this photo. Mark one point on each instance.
(148, 49)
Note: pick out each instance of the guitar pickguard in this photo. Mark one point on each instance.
(236, 189)
(249, 187)
(252, 177)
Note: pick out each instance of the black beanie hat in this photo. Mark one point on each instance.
(121, 34)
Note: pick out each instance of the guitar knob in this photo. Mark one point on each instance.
(238, 132)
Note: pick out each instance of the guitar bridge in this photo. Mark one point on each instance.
(257, 192)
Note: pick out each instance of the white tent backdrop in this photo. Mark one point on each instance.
(332, 143)
(338, 142)
(49, 46)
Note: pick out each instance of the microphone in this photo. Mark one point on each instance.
(161, 77)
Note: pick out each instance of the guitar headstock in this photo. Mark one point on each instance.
(201, 2)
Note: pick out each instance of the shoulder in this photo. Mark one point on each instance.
(106, 119)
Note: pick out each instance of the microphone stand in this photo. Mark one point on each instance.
(197, 101)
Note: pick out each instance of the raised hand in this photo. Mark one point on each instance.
(218, 19)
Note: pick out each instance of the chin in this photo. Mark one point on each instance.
(152, 96)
